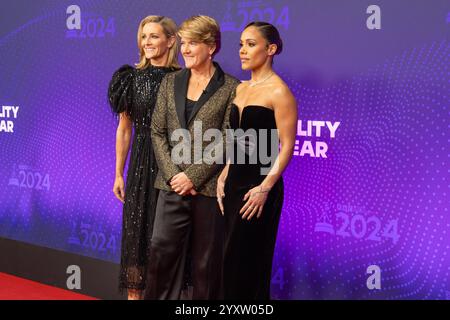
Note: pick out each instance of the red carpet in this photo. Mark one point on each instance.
(14, 288)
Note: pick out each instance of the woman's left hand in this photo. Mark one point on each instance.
(256, 198)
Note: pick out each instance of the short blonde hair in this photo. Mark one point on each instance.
(170, 30)
(203, 29)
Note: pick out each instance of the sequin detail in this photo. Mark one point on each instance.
(134, 92)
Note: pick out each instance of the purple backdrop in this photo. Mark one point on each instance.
(376, 208)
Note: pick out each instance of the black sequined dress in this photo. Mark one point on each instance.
(134, 91)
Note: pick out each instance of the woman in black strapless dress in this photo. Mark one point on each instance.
(250, 194)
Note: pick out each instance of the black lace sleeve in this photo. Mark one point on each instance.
(120, 90)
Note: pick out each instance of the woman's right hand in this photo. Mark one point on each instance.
(220, 193)
(119, 189)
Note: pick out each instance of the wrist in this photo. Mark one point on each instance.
(265, 187)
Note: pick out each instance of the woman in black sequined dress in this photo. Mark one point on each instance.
(132, 94)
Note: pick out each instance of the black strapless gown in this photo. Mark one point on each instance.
(249, 245)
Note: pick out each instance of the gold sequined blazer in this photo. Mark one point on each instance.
(212, 109)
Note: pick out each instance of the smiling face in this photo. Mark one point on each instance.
(195, 53)
(254, 51)
(154, 42)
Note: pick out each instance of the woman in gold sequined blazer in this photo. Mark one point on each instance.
(187, 215)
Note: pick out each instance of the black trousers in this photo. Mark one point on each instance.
(182, 223)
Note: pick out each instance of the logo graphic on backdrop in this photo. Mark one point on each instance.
(317, 129)
(88, 25)
(7, 116)
(356, 222)
(24, 176)
(92, 238)
(236, 18)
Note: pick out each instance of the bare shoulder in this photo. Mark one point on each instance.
(281, 89)
(281, 94)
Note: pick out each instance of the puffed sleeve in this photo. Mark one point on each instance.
(120, 89)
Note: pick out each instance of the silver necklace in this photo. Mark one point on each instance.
(254, 83)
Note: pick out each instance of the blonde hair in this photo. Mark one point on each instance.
(203, 29)
(170, 30)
